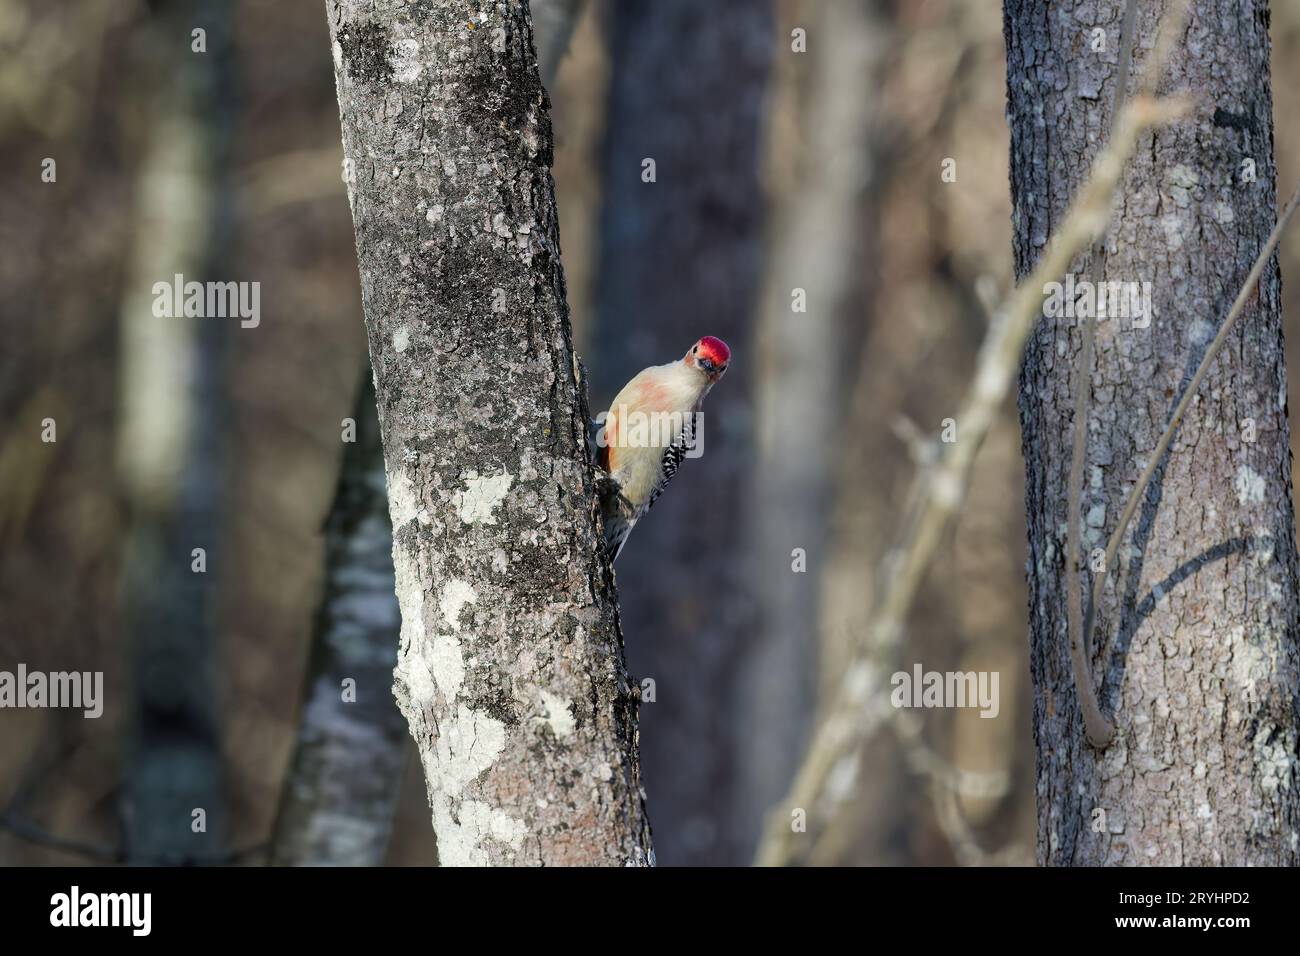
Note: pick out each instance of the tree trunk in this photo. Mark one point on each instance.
(510, 670)
(345, 779)
(804, 360)
(553, 24)
(679, 259)
(171, 450)
(1202, 677)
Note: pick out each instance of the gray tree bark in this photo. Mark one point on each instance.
(344, 780)
(1202, 674)
(345, 777)
(680, 258)
(510, 670)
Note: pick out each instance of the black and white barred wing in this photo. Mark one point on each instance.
(674, 454)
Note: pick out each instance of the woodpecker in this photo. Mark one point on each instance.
(649, 428)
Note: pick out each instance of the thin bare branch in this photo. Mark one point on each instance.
(1139, 489)
(1098, 728)
(26, 830)
(939, 490)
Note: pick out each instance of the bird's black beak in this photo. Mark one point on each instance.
(707, 365)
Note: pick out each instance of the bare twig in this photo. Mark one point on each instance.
(26, 830)
(961, 838)
(34, 834)
(1098, 728)
(1135, 496)
(938, 774)
(939, 490)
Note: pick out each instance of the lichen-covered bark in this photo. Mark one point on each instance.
(680, 258)
(345, 776)
(1201, 614)
(510, 670)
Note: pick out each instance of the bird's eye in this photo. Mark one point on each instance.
(695, 349)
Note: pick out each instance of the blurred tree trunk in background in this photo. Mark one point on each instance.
(929, 245)
(810, 335)
(343, 785)
(171, 446)
(1202, 681)
(553, 24)
(679, 259)
(510, 670)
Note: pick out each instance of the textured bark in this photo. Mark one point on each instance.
(804, 364)
(679, 259)
(510, 670)
(1202, 679)
(345, 778)
(171, 449)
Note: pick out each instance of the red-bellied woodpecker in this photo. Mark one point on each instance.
(651, 425)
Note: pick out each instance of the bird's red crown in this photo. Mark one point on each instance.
(715, 350)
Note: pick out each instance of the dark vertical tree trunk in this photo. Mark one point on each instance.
(345, 778)
(679, 259)
(553, 24)
(171, 445)
(1201, 614)
(510, 668)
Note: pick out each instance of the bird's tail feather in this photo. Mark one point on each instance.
(618, 518)
(616, 531)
